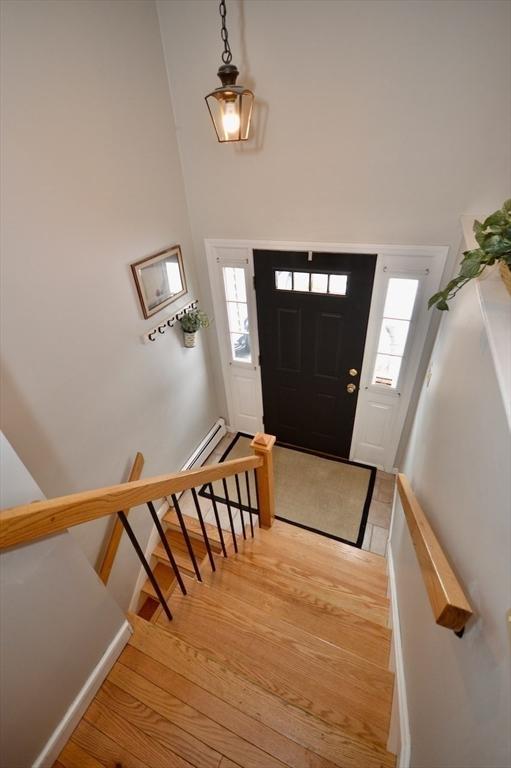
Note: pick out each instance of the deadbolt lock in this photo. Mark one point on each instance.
(351, 388)
(352, 371)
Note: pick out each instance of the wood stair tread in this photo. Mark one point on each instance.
(180, 552)
(277, 659)
(165, 578)
(338, 626)
(194, 529)
(271, 574)
(255, 701)
(213, 601)
(176, 540)
(127, 722)
(312, 560)
(342, 689)
(348, 552)
(224, 713)
(103, 747)
(215, 738)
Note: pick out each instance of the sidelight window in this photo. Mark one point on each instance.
(395, 327)
(311, 282)
(237, 313)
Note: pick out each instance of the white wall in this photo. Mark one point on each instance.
(50, 598)
(458, 460)
(376, 120)
(91, 181)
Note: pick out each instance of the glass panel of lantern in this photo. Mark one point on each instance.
(231, 110)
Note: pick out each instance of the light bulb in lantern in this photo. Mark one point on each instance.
(230, 118)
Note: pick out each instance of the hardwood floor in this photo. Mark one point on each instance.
(279, 658)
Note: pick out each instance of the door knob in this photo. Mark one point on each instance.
(352, 371)
(350, 388)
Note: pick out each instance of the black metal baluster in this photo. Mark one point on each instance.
(257, 499)
(217, 518)
(145, 564)
(229, 512)
(203, 528)
(241, 506)
(186, 537)
(247, 481)
(166, 546)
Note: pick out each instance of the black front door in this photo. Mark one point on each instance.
(312, 320)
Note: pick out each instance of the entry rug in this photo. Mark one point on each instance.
(321, 494)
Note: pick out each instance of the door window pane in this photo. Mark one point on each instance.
(395, 326)
(237, 313)
(238, 316)
(400, 299)
(234, 278)
(386, 370)
(240, 347)
(393, 336)
(319, 283)
(301, 281)
(338, 284)
(284, 281)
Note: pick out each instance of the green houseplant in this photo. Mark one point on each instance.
(493, 237)
(191, 322)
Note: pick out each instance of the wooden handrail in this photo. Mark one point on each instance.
(118, 528)
(42, 518)
(450, 606)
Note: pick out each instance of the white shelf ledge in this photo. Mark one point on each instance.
(495, 304)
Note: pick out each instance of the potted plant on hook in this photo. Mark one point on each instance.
(191, 322)
(493, 237)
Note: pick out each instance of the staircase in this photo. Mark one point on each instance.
(267, 646)
(279, 658)
(163, 571)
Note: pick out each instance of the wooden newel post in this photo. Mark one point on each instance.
(262, 445)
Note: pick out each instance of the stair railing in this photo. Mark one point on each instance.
(449, 603)
(253, 494)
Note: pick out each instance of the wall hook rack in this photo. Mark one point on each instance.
(159, 330)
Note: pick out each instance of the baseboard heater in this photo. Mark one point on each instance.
(207, 445)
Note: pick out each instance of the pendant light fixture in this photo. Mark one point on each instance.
(230, 105)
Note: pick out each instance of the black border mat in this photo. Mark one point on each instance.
(204, 491)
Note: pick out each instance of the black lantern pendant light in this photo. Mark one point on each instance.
(230, 105)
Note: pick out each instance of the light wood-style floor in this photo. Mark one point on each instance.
(280, 658)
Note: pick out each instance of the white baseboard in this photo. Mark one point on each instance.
(62, 733)
(206, 446)
(399, 735)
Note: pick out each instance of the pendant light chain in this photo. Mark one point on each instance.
(230, 104)
(226, 53)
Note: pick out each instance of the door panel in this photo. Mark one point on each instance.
(328, 345)
(376, 425)
(309, 341)
(245, 400)
(289, 333)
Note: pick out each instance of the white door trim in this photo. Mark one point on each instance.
(242, 380)
(404, 259)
